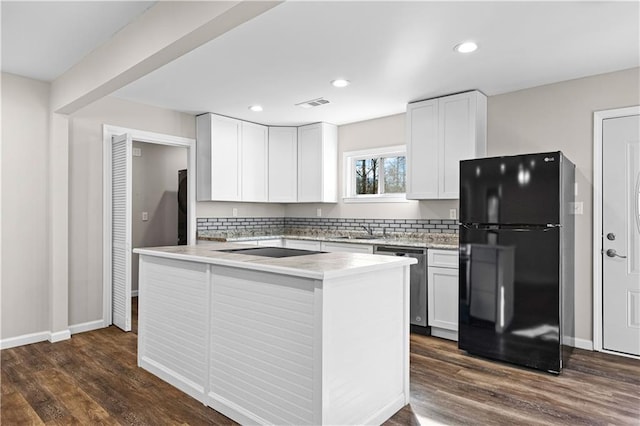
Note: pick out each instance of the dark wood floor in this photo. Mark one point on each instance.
(93, 379)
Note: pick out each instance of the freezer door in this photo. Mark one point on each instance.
(509, 290)
(520, 189)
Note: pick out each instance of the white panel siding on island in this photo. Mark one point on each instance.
(262, 344)
(173, 307)
(278, 341)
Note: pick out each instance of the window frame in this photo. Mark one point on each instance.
(349, 180)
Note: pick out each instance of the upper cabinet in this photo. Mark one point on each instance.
(283, 164)
(318, 163)
(241, 161)
(254, 162)
(231, 159)
(218, 158)
(440, 133)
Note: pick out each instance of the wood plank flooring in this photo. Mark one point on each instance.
(92, 379)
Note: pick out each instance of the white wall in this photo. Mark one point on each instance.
(155, 191)
(25, 206)
(546, 118)
(560, 117)
(85, 190)
(385, 131)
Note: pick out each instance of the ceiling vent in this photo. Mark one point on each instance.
(313, 103)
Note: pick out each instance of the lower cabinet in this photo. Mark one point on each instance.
(333, 247)
(274, 242)
(442, 284)
(302, 244)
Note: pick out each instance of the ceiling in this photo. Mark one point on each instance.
(392, 52)
(43, 39)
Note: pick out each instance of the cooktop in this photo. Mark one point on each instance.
(271, 251)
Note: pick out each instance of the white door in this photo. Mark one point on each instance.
(422, 149)
(254, 161)
(121, 172)
(310, 165)
(621, 234)
(283, 164)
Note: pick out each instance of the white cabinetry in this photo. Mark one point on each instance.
(318, 163)
(218, 158)
(302, 244)
(442, 287)
(283, 164)
(333, 247)
(440, 133)
(231, 160)
(254, 162)
(271, 242)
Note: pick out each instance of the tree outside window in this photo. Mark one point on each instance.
(381, 175)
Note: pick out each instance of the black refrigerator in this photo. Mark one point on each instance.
(516, 285)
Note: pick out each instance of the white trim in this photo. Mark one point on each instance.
(86, 326)
(59, 336)
(25, 339)
(142, 136)
(598, 118)
(379, 198)
(579, 343)
(606, 351)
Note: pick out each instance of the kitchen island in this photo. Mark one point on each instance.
(313, 339)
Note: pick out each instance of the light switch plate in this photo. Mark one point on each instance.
(319, 212)
(137, 152)
(452, 213)
(234, 212)
(145, 216)
(576, 208)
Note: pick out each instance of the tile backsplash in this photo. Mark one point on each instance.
(276, 225)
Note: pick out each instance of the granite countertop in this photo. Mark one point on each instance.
(421, 240)
(315, 266)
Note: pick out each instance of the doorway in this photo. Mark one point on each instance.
(118, 211)
(616, 236)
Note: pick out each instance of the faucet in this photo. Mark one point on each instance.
(368, 229)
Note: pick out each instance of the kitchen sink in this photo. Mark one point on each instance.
(348, 237)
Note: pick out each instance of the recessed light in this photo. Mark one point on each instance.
(340, 82)
(255, 108)
(466, 47)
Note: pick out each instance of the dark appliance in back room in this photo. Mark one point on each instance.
(183, 203)
(516, 286)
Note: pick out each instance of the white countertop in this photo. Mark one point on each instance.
(450, 243)
(315, 266)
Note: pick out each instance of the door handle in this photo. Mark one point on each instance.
(612, 253)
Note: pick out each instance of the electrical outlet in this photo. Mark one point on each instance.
(319, 212)
(234, 212)
(137, 152)
(452, 213)
(145, 216)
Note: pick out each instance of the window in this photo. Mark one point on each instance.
(375, 175)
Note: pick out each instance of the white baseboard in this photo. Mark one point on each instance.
(59, 336)
(28, 339)
(25, 339)
(134, 293)
(583, 344)
(579, 343)
(86, 326)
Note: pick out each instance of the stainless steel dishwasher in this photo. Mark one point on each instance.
(418, 284)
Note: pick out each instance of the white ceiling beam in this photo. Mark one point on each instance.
(166, 31)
